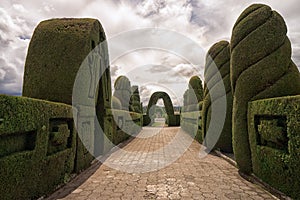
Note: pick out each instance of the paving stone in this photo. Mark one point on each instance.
(188, 177)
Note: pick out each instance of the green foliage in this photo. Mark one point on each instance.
(195, 84)
(126, 124)
(191, 123)
(29, 168)
(261, 67)
(116, 103)
(172, 120)
(135, 103)
(218, 60)
(193, 95)
(275, 142)
(57, 49)
(123, 91)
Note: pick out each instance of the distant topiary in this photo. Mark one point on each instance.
(193, 95)
(218, 58)
(261, 67)
(135, 102)
(123, 91)
(185, 96)
(195, 85)
(173, 120)
(116, 103)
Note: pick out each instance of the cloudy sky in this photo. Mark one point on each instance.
(204, 22)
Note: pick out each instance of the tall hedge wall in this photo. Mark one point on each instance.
(218, 58)
(37, 146)
(126, 124)
(261, 67)
(191, 122)
(274, 137)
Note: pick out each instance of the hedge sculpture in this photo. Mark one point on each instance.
(57, 49)
(185, 96)
(135, 102)
(195, 85)
(57, 69)
(193, 95)
(275, 143)
(173, 120)
(261, 67)
(37, 147)
(116, 103)
(123, 91)
(218, 58)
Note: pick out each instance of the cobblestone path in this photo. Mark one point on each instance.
(143, 169)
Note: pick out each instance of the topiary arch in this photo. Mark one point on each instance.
(173, 120)
(167, 102)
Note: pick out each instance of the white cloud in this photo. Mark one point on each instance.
(205, 22)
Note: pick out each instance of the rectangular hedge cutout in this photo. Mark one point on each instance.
(274, 135)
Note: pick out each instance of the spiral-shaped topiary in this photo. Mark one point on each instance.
(123, 91)
(218, 59)
(261, 67)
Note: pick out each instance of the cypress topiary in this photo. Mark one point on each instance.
(123, 91)
(135, 103)
(261, 67)
(218, 58)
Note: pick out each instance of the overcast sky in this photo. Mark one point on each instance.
(204, 21)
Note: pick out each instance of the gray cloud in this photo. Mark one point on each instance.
(205, 22)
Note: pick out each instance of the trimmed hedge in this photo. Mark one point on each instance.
(126, 124)
(261, 67)
(274, 137)
(135, 102)
(195, 94)
(56, 51)
(218, 58)
(172, 120)
(123, 91)
(191, 123)
(37, 146)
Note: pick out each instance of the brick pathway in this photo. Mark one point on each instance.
(139, 171)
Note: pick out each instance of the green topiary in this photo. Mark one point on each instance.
(57, 49)
(135, 103)
(261, 67)
(116, 103)
(274, 137)
(123, 91)
(37, 139)
(218, 58)
(195, 84)
(57, 67)
(185, 96)
(173, 119)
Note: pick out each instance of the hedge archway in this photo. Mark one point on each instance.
(173, 120)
